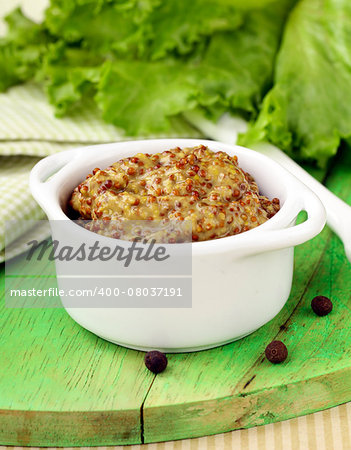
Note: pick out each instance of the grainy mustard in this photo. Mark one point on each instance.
(194, 184)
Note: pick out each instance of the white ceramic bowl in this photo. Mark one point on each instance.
(239, 283)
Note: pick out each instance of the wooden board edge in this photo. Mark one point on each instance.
(69, 429)
(255, 408)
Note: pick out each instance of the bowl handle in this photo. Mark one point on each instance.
(271, 240)
(45, 175)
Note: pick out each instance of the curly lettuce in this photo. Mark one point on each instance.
(21, 51)
(145, 62)
(232, 73)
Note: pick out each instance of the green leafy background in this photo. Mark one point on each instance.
(283, 65)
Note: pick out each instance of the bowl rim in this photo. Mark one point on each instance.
(282, 219)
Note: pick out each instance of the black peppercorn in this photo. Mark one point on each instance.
(321, 305)
(276, 352)
(155, 361)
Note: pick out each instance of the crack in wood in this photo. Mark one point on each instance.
(248, 382)
(142, 438)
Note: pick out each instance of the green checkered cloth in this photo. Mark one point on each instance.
(29, 131)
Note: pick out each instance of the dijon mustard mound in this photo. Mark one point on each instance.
(207, 188)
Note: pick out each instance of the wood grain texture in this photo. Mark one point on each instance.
(62, 386)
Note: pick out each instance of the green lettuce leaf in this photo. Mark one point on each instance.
(231, 73)
(177, 26)
(70, 75)
(17, 64)
(140, 96)
(237, 67)
(21, 50)
(148, 61)
(148, 28)
(102, 26)
(308, 110)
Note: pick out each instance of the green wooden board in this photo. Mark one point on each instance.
(62, 386)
